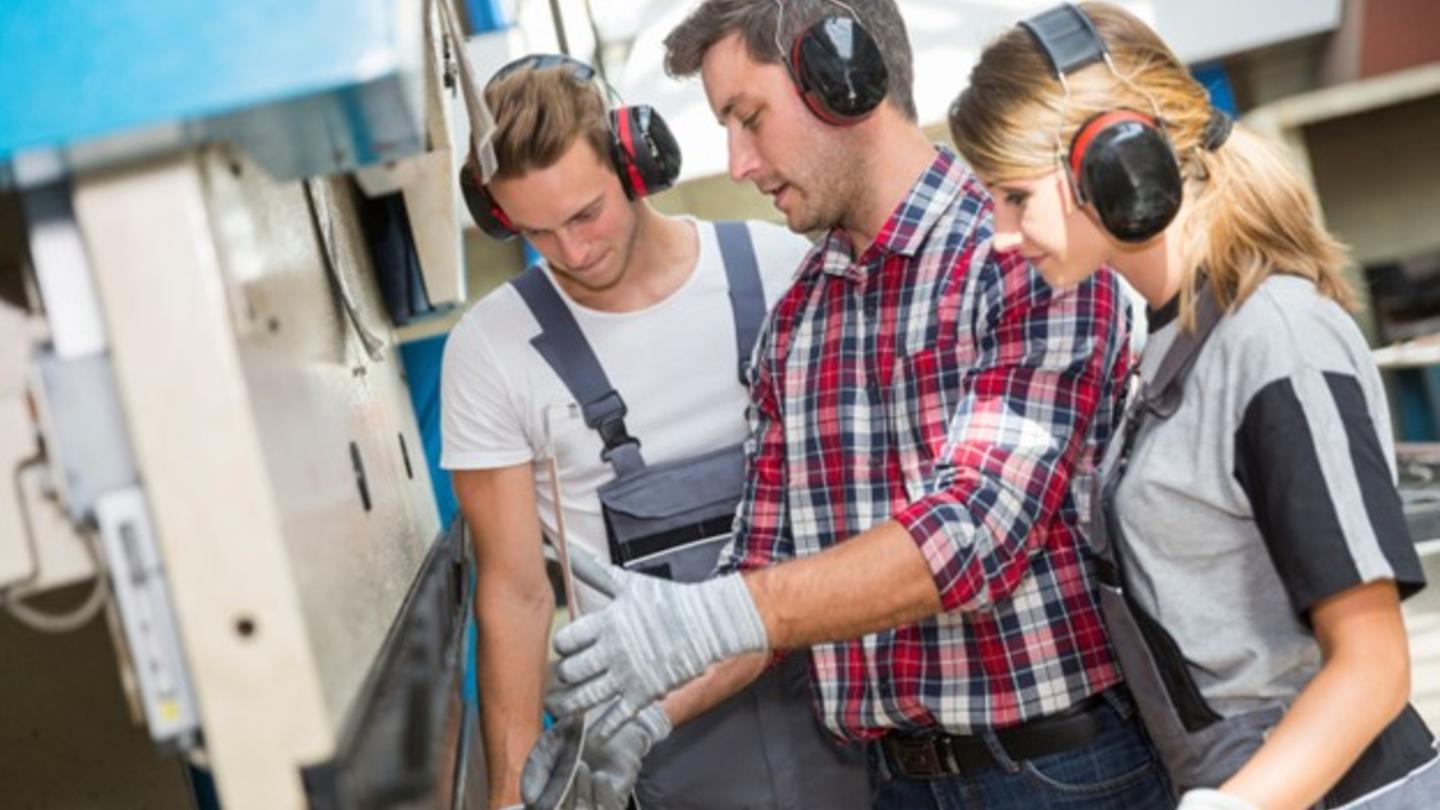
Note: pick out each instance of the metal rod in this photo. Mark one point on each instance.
(599, 60)
(559, 27)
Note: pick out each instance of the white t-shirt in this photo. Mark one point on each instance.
(674, 363)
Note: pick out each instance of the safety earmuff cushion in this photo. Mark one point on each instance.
(1123, 164)
(644, 151)
(839, 70)
(488, 215)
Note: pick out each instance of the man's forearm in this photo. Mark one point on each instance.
(874, 581)
(719, 683)
(511, 670)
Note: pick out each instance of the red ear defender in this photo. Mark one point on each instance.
(630, 176)
(838, 70)
(808, 95)
(644, 153)
(487, 214)
(1085, 136)
(1122, 164)
(500, 215)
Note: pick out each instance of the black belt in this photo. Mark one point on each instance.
(941, 755)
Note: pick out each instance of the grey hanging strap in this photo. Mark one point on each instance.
(1161, 397)
(567, 351)
(747, 293)
(1176, 364)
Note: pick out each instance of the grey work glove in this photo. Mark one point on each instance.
(555, 774)
(652, 637)
(1207, 799)
(608, 767)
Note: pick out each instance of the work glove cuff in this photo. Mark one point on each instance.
(655, 722)
(733, 617)
(1208, 799)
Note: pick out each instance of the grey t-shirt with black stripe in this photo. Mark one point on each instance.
(1269, 489)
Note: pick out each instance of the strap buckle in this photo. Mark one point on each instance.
(616, 438)
(607, 417)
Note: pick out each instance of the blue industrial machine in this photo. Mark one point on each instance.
(305, 88)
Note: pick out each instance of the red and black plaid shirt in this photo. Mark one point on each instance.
(939, 383)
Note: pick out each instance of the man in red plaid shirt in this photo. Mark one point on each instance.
(926, 413)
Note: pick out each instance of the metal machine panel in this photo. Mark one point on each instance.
(39, 547)
(316, 392)
(280, 458)
(412, 741)
(138, 582)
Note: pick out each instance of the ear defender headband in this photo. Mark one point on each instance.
(836, 67)
(1120, 161)
(644, 153)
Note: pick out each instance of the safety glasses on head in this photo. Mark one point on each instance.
(1121, 162)
(836, 66)
(643, 151)
(543, 61)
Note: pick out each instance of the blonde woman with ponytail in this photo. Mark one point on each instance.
(1246, 529)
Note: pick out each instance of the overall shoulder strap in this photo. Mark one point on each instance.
(747, 292)
(565, 348)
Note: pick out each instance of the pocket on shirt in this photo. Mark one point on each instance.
(564, 432)
(923, 386)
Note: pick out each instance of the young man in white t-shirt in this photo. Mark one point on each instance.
(650, 295)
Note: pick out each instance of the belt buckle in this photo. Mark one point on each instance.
(917, 760)
(925, 759)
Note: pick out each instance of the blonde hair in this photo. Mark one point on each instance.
(1250, 215)
(539, 113)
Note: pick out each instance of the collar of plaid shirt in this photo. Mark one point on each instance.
(936, 383)
(909, 224)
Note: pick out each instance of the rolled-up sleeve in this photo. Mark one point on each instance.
(1004, 457)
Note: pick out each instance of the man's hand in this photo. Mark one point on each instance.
(653, 636)
(1206, 799)
(608, 767)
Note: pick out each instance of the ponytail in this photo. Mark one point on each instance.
(1250, 216)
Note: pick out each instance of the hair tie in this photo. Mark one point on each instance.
(1217, 130)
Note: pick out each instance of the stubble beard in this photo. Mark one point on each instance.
(836, 182)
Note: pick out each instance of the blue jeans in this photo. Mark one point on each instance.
(1116, 771)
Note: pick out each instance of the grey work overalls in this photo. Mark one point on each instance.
(764, 748)
(1198, 746)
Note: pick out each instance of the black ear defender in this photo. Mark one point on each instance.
(836, 67)
(1121, 161)
(643, 151)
